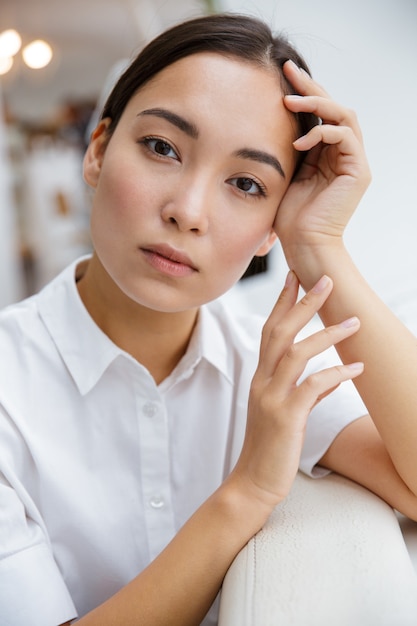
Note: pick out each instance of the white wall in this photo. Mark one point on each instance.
(365, 54)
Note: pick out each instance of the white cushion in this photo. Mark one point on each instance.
(332, 554)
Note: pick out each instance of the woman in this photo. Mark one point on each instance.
(137, 448)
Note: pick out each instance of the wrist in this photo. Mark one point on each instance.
(311, 262)
(242, 508)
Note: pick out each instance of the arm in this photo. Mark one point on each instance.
(179, 586)
(310, 224)
(359, 453)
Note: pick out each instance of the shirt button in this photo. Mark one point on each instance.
(150, 409)
(157, 502)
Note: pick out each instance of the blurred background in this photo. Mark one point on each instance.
(363, 51)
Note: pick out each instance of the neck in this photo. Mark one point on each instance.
(156, 339)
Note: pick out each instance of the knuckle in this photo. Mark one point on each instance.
(277, 332)
(311, 301)
(265, 332)
(331, 333)
(257, 387)
(351, 114)
(306, 300)
(313, 381)
(294, 352)
(340, 372)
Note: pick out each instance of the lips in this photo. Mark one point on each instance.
(169, 260)
(171, 254)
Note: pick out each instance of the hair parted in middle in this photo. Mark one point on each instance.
(229, 34)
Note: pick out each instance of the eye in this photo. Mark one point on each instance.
(160, 147)
(248, 186)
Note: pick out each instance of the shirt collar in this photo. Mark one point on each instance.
(88, 352)
(212, 340)
(207, 344)
(85, 349)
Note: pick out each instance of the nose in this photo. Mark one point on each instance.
(188, 207)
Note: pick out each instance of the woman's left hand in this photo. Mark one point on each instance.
(333, 177)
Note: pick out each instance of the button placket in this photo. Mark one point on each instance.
(157, 502)
(150, 409)
(155, 457)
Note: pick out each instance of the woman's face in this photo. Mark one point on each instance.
(188, 186)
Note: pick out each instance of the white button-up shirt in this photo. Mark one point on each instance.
(99, 466)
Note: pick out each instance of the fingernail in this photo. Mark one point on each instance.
(299, 141)
(321, 285)
(290, 278)
(293, 96)
(356, 367)
(298, 68)
(306, 74)
(294, 65)
(349, 323)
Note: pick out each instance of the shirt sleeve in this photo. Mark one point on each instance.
(339, 409)
(32, 590)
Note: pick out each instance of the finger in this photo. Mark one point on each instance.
(341, 136)
(279, 332)
(313, 98)
(293, 363)
(318, 385)
(328, 110)
(286, 300)
(310, 164)
(333, 151)
(302, 82)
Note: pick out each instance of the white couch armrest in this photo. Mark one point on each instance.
(331, 554)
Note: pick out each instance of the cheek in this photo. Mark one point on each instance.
(233, 257)
(241, 243)
(121, 195)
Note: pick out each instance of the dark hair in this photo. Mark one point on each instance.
(229, 34)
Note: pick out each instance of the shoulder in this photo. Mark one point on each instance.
(26, 344)
(20, 335)
(17, 321)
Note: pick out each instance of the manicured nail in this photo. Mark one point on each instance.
(299, 141)
(349, 323)
(321, 285)
(356, 367)
(294, 65)
(290, 278)
(293, 97)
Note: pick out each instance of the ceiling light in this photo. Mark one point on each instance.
(37, 54)
(5, 65)
(10, 42)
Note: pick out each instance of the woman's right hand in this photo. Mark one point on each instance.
(279, 405)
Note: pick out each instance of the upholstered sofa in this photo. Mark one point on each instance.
(333, 554)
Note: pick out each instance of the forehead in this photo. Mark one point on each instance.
(207, 62)
(212, 87)
(214, 74)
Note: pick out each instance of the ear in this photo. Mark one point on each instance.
(268, 244)
(93, 158)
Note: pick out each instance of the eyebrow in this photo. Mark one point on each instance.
(191, 130)
(187, 127)
(261, 157)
